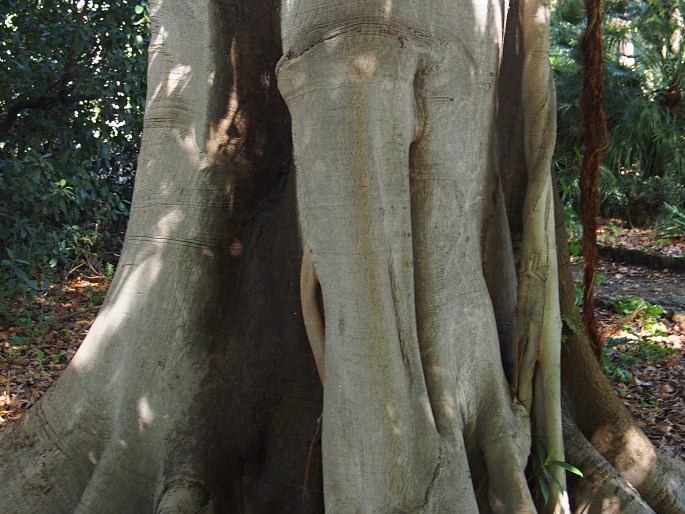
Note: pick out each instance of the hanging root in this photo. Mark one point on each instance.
(593, 130)
(311, 311)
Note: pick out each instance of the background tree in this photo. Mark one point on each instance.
(196, 389)
(71, 104)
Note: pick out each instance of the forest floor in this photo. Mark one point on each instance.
(640, 308)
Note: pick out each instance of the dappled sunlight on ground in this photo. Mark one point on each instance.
(37, 345)
(646, 365)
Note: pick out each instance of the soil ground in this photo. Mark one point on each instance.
(644, 357)
(645, 347)
(641, 311)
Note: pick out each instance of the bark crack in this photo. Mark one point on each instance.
(394, 288)
(431, 484)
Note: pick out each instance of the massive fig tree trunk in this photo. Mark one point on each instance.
(393, 111)
(356, 311)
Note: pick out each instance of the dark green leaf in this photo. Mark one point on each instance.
(568, 467)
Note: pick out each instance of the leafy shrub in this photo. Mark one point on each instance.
(641, 321)
(635, 308)
(638, 199)
(70, 120)
(674, 223)
(620, 355)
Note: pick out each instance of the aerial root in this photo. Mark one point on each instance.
(508, 488)
(602, 489)
(187, 497)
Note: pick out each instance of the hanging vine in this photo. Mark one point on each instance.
(593, 131)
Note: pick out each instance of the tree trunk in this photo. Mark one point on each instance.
(422, 203)
(195, 385)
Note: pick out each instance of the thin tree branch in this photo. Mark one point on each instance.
(40, 102)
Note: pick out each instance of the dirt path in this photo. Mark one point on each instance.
(662, 286)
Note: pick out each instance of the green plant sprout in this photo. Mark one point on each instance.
(40, 355)
(635, 309)
(674, 225)
(630, 354)
(109, 271)
(543, 470)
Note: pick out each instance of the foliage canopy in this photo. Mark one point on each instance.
(71, 104)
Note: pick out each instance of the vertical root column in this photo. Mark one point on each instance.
(352, 105)
(352, 101)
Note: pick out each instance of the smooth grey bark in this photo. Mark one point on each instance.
(196, 390)
(393, 109)
(197, 367)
